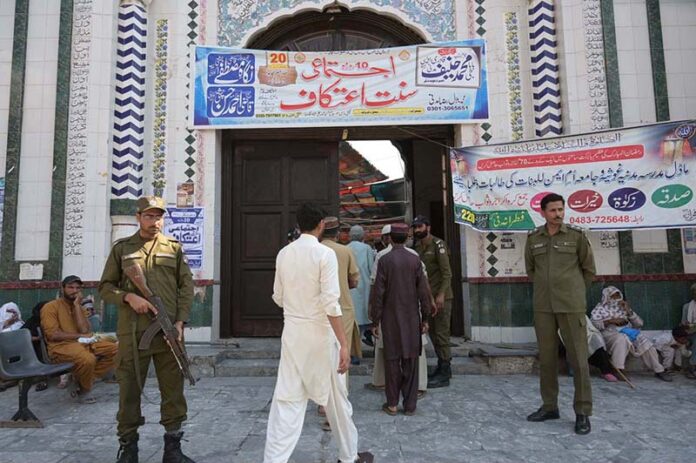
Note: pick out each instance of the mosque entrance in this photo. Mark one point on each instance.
(267, 173)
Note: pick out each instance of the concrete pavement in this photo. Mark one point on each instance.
(480, 418)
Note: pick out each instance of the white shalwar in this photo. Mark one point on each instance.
(306, 287)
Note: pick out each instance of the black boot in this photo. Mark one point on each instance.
(437, 370)
(442, 379)
(128, 450)
(172, 449)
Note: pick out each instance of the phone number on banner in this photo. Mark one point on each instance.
(605, 219)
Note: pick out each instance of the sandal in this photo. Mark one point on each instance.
(64, 380)
(41, 386)
(326, 426)
(386, 409)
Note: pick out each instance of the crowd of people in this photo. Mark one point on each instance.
(334, 298)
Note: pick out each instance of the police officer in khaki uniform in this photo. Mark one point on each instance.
(168, 276)
(559, 261)
(435, 255)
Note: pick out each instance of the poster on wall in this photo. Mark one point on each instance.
(424, 84)
(689, 235)
(185, 224)
(635, 178)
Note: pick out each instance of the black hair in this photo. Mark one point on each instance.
(550, 198)
(679, 332)
(399, 238)
(309, 215)
(331, 232)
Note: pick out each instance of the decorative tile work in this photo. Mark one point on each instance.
(14, 139)
(203, 22)
(236, 18)
(76, 187)
(480, 18)
(53, 268)
(657, 59)
(594, 59)
(199, 194)
(159, 122)
(514, 84)
(612, 64)
(190, 139)
(129, 110)
(491, 259)
(545, 75)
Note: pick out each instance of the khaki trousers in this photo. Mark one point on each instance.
(91, 361)
(574, 332)
(440, 332)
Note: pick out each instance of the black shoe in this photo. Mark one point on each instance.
(442, 379)
(128, 450)
(365, 457)
(437, 370)
(582, 424)
(447, 369)
(664, 376)
(543, 415)
(368, 339)
(438, 381)
(172, 449)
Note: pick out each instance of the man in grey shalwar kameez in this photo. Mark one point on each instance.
(364, 257)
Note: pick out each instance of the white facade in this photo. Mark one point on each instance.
(171, 154)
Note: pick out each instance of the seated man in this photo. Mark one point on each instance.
(10, 317)
(92, 316)
(69, 337)
(596, 349)
(672, 347)
(689, 323)
(620, 327)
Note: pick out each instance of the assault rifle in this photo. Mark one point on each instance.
(159, 322)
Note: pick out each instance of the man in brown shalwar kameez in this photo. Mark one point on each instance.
(401, 305)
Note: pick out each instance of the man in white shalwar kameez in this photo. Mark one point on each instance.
(314, 354)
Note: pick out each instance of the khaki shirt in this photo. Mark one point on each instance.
(435, 257)
(347, 267)
(166, 271)
(561, 268)
(57, 316)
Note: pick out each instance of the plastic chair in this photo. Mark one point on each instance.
(19, 363)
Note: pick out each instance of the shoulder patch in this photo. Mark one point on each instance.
(576, 228)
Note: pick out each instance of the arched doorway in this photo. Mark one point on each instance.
(266, 173)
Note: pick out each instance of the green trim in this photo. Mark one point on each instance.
(14, 139)
(9, 268)
(657, 58)
(54, 267)
(611, 62)
(123, 207)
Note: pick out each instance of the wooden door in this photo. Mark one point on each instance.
(270, 179)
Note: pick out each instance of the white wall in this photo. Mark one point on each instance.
(6, 33)
(635, 68)
(679, 40)
(36, 158)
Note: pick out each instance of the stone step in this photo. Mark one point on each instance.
(230, 367)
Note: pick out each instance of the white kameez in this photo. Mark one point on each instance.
(306, 287)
